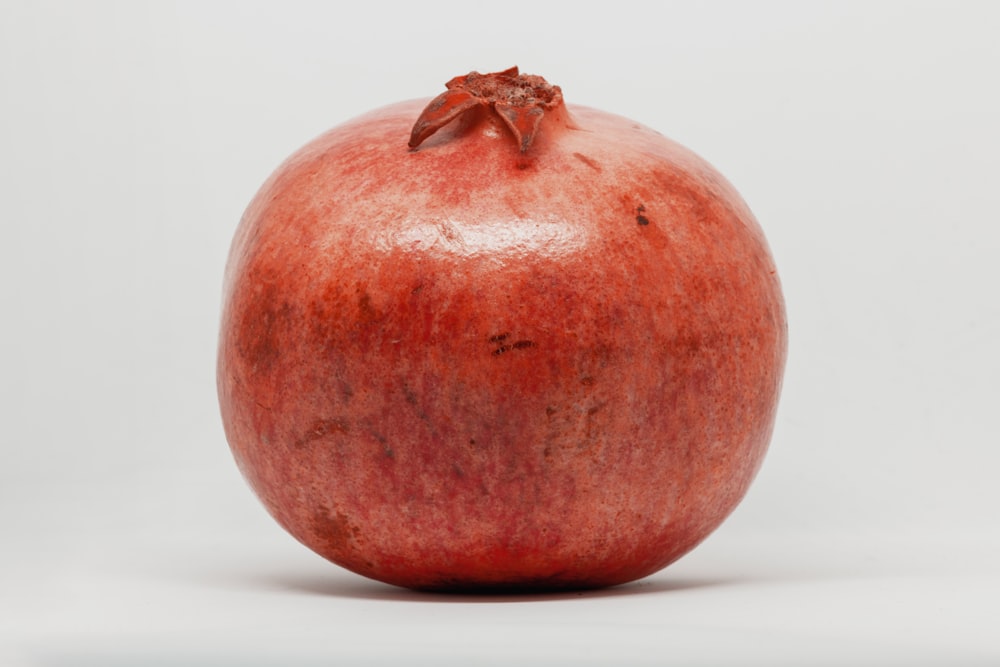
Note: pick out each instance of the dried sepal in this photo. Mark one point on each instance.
(520, 100)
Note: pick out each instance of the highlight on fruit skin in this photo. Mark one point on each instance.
(478, 364)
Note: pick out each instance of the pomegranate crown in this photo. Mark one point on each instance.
(520, 100)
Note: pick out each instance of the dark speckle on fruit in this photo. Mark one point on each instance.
(587, 161)
(639, 217)
(504, 347)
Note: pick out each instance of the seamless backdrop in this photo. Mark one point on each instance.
(863, 135)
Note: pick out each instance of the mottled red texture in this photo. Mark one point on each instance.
(468, 367)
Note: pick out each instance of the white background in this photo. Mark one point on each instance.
(866, 138)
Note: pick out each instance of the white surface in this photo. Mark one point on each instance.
(864, 136)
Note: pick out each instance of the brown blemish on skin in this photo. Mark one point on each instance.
(639, 217)
(411, 398)
(367, 310)
(346, 390)
(591, 411)
(323, 428)
(522, 344)
(335, 531)
(587, 161)
(260, 331)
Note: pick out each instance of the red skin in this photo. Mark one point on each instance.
(470, 367)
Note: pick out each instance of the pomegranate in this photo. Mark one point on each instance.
(498, 342)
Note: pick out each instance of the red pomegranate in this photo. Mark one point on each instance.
(539, 347)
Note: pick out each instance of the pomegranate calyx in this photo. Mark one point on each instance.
(520, 100)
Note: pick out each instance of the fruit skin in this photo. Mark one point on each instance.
(464, 367)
